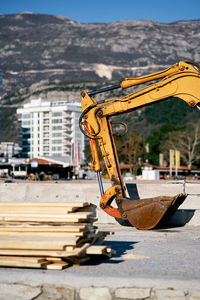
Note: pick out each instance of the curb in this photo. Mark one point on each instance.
(52, 292)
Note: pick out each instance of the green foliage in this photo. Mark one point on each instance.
(174, 111)
(156, 139)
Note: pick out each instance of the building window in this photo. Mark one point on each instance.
(56, 121)
(26, 123)
(57, 134)
(56, 148)
(57, 114)
(45, 148)
(57, 154)
(57, 128)
(56, 141)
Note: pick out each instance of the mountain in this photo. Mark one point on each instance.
(56, 58)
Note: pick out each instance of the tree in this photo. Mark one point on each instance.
(131, 148)
(187, 142)
(156, 140)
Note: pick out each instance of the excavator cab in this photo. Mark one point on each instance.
(181, 80)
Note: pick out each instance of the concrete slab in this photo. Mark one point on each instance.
(88, 191)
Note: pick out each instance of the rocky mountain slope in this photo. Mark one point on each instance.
(55, 57)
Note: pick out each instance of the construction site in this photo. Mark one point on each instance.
(99, 163)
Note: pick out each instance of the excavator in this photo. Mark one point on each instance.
(180, 81)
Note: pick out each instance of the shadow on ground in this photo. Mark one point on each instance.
(179, 218)
(119, 247)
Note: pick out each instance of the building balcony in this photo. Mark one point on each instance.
(67, 146)
(67, 115)
(68, 152)
(45, 129)
(68, 139)
(66, 123)
(67, 134)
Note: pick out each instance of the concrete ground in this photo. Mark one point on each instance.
(157, 264)
(163, 258)
(149, 262)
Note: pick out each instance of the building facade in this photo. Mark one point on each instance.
(9, 149)
(51, 129)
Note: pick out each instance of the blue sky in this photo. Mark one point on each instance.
(88, 11)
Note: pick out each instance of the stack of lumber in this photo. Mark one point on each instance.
(49, 235)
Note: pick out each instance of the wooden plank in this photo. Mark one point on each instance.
(22, 264)
(59, 204)
(32, 259)
(53, 259)
(43, 209)
(38, 210)
(35, 209)
(75, 217)
(96, 249)
(62, 215)
(100, 250)
(60, 265)
(39, 243)
(40, 234)
(36, 252)
(46, 253)
(23, 227)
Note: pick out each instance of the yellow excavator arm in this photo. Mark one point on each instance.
(181, 80)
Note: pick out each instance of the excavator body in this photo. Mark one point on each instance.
(182, 81)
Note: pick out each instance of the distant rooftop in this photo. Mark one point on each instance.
(40, 102)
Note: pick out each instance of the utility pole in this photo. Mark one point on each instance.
(171, 161)
(174, 161)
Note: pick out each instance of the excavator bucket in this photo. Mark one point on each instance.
(151, 212)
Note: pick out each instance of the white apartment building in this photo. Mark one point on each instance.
(51, 129)
(9, 149)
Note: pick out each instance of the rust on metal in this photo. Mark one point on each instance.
(151, 212)
(106, 200)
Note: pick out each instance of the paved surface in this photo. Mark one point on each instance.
(165, 258)
(168, 254)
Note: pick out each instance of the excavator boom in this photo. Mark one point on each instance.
(181, 80)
